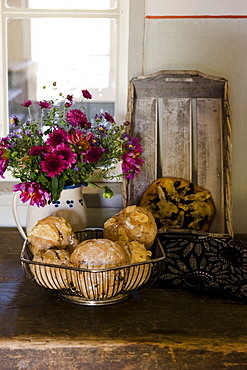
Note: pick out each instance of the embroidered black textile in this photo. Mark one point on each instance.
(205, 263)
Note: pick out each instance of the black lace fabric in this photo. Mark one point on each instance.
(206, 264)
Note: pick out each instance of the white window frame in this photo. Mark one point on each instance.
(130, 16)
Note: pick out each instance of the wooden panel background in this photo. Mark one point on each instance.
(210, 169)
(182, 119)
(176, 132)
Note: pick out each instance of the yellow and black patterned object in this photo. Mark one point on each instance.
(179, 204)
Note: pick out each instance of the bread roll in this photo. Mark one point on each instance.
(51, 232)
(139, 274)
(52, 277)
(133, 223)
(178, 204)
(97, 254)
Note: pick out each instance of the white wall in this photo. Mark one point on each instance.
(215, 46)
(193, 7)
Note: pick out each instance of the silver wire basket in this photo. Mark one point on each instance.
(91, 286)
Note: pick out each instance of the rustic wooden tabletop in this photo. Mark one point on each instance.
(157, 328)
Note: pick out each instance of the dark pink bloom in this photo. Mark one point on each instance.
(67, 104)
(131, 161)
(4, 159)
(69, 157)
(53, 164)
(27, 103)
(77, 117)
(44, 104)
(34, 192)
(108, 117)
(94, 154)
(86, 94)
(36, 150)
(57, 137)
(130, 165)
(70, 98)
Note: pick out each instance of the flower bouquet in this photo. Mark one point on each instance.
(63, 149)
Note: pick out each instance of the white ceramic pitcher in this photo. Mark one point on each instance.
(70, 206)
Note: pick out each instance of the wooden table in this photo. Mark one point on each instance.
(156, 328)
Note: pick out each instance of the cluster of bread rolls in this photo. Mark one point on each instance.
(127, 238)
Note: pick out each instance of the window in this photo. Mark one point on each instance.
(76, 53)
(63, 4)
(44, 41)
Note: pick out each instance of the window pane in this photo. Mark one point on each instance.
(63, 4)
(77, 56)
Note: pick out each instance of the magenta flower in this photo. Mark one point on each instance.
(77, 117)
(108, 117)
(36, 150)
(34, 192)
(130, 165)
(67, 104)
(53, 164)
(69, 157)
(44, 104)
(57, 137)
(131, 161)
(86, 94)
(94, 154)
(4, 159)
(27, 103)
(70, 98)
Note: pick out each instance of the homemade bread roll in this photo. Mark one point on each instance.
(52, 277)
(139, 274)
(179, 204)
(51, 232)
(133, 223)
(97, 254)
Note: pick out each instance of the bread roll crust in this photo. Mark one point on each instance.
(133, 223)
(50, 232)
(139, 274)
(99, 254)
(51, 277)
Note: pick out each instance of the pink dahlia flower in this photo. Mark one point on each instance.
(86, 94)
(69, 157)
(77, 117)
(27, 103)
(94, 154)
(57, 137)
(34, 192)
(44, 104)
(4, 159)
(53, 164)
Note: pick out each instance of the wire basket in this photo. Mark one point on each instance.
(91, 286)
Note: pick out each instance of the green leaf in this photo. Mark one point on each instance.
(54, 189)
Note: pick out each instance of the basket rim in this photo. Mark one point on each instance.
(72, 268)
